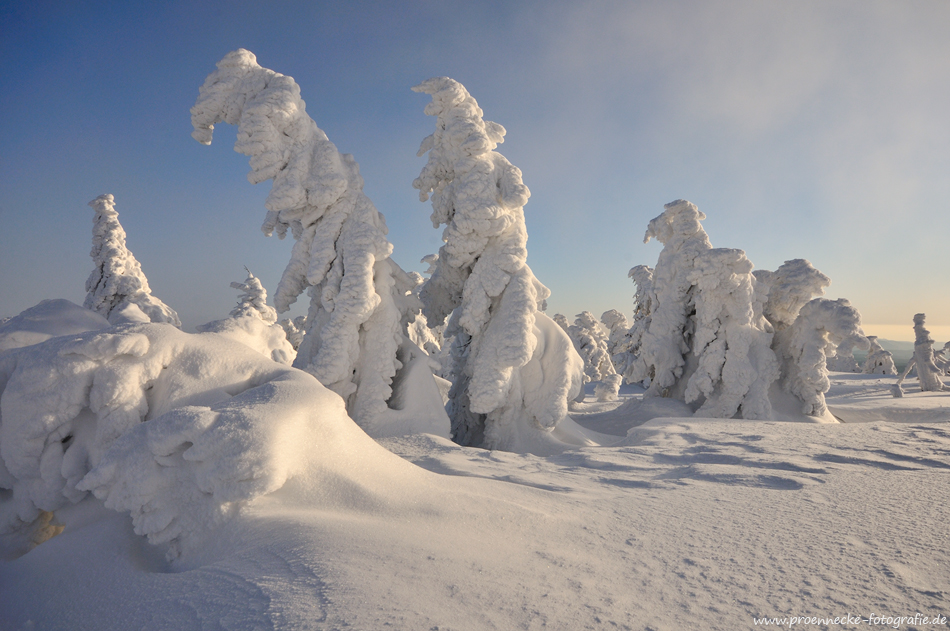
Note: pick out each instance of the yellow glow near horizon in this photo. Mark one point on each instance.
(905, 332)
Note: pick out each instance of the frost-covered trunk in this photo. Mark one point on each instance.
(358, 295)
(482, 276)
(843, 359)
(117, 287)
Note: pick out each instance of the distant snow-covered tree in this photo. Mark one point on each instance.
(843, 360)
(878, 361)
(482, 276)
(253, 323)
(341, 256)
(253, 300)
(590, 340)
(928, 374)
(294, 329)
(117, 287)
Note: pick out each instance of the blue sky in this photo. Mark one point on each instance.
(815, 130)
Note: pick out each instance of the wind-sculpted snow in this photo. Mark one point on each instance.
(179, 430)
(48, 319)
(341, 254)
(843, 360)
(481, 271)
(788, 288)
(821, 326)
(117, 288)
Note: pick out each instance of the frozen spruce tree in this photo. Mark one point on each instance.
(117, 287)
(928, 374)
(253, 300)
(618, 339)
(843, 360)
(341, 255)
(254, 323)
(820, 327)
(590, 340)
(703, 341)
(482, 279)
(878, 361)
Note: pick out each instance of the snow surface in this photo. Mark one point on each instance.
(298, 520)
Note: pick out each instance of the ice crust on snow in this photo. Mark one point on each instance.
(117, 288)
(359, 297)
(482, 279)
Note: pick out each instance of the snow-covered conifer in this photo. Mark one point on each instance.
(294, 330)
(590, 340)
(561, 320)
(928, 374)
(878, 361)
(253, 323)
(843, 360)
(617, 327)
(703, 342)
(821, 326)
(788, 288)
(482, 275)
(341, 254)
(253, 300)
(117, 287)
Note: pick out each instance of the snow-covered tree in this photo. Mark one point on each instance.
(820, 327)
(928, 374)
(253, 323)
(253, 300)
(341, 255)
(785, 291)
(590, 340)
(702, 341)
(294, 330)
(617, 327)
(943, 362)
(117, 287)
(843, 360)
(878, 361)
(483, 280)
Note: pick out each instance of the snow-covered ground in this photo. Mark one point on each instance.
(680, 523)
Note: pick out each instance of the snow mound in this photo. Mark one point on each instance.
(179, 430)
(48, 319)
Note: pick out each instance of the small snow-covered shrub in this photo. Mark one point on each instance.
(117, 288)
(254, 323)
